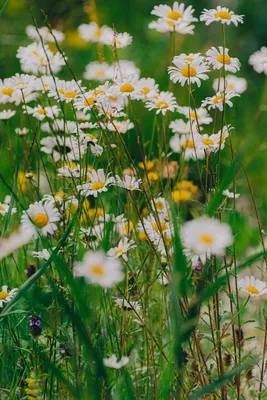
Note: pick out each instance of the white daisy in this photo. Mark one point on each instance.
(35, 33)
(40, 218)
(259, 60)
(66, 91)
(112, 362)
(86, 101)
(119, 126)
(186, 144)
(160, 205)
(7, 114)
(111, 38)
(148, 88)
(162, 102)
(254, 287)
(22, 131)
(98, 183)
(22, 82)
(206, 235)
(221, 14)
(43, 254)
(122, 249)
(162, 25)
(126, 87)
(128, 182)
(6, 296)
(123, 69)
(60, 126)
(220, 57)
(156, 228)
(230, 195)
(65, 148)
(4, 209)
(41, 112)
(198, 116)
(233, 83)
(219, 99)
(99, 269)
(92, 32)
(98, 71)
(188, 72)
(176, 13)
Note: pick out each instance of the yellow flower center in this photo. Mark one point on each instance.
(218, 98)
(174, 15)
(111, 98)
(3, 295)
(188, 71)
(40, 220)
(70, 94)
(142, 236)
(99, 91)
(252, 289)
(126, 88)
(98, 185)
(161, 226)
(207, 141)
(159, 205)
(223, 15)
(230, 86)
(7, 91)
(91, 136)
(2, 208)
(194, 115)
(130, 186)
(223, 59)
(190, 59)
(98, 32)
(119, 251)
(35, 53)
(98, 270)
(127, 228)
(20, 83)
(99, 73)
(206, 239)
(41, 111)
(61, 91)
(89, 101)
(188, 144)
(162, 105)
(145, 90)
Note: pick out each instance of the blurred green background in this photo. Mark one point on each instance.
(151, 51)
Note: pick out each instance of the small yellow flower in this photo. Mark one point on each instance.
(153, 176)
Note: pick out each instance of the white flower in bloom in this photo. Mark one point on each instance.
(160, 205)
(92, 32)
(38, 59)
(179, 126)
(70, 170)
(4, 209)
(148, 88)
(156, 228)
(128, 183)
(207, 143)
(119, 126)
(92, 236)
(176, 13)
(35, 33)
(22, 131)
(123, 69)
(162, 102)
(98, 71)
(43, 254)
(188, 58)
(163, 26)
(121, 40)
(13, 242)
(219, 99)
(98, 183)
(206, 235)
(258, 60)
(221, 14)
(21, 82)
(66, 148)
(186, 144)
(41, 112)
(7, 114)
(112, 362)
(60, 126)
(122, 249)
(40, 218)
(254, 287)
(85, 101)
(127, 87)
(220, 57)
(198, 116)
(128, 305)
(231, 195)
(66, 91)
(233, 83)
(186, 72)
(99, 269)
(6, 296)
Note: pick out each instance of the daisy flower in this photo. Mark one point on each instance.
(6, 92)
(6, 296)
(121, 40)
(22, 81)
(188, 58)
(163, 26)
(41, 112)
(92, 32)
(220, 57)
(7, 114)
(22, 131)
(122, 249)
(61, 126)
(128, 306)
(127, 87)
(113, 362)
(219, 99)
(62, 147)
(221, 14)
(188, 72)
(186, 144)
(230, 195)
(156, 228)
(162, 102)
(14, 241)
(40, 218)
(42, 255)
(98, 183)
(85, 101)
(258, 60)
(70, 170)
(96, 71)
(233, 83)
(160, 205)
(174, 14)
(148, 88)
(119, 126)
(34, 34)
(179, 126)
(66, 91)
(254, 287)
(4, 208)
(129, 182)
(99, 269)
(207, 143)
(198, 116)
(206, 235)
(123, 69)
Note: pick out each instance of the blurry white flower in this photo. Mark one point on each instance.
(6, 296)
(98, 71)
(128, 182)
(111, 38)
(259, 60)
(112, 362)
(65, 148)
(198, 116)
(14, 241)
(7, 114)
(251, 285)
(122, 249)
(22, 131)
(238, 85)
(43, 254)
(92, 32)
(98, 183)
(4, 208)
(230, 195)
(44, 32)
